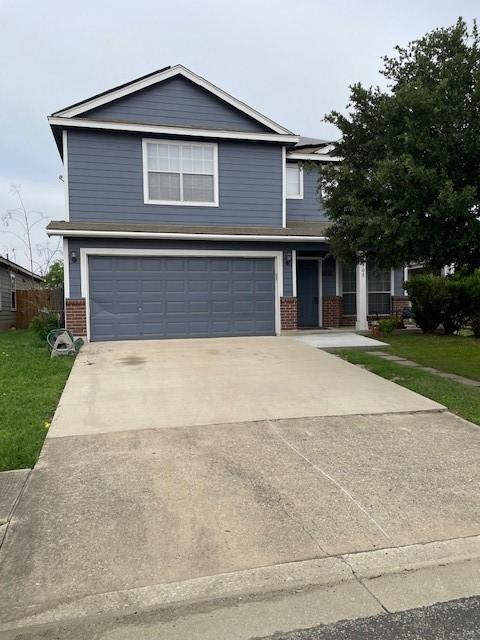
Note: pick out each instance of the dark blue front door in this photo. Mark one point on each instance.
(307, 293)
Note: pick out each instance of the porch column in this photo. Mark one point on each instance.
(361, 323)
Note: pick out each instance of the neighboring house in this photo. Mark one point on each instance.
(190, 214)
(13, 278)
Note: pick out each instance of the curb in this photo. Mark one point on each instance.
(256, 583)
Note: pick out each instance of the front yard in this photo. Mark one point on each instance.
(452, 354)
(30, 387)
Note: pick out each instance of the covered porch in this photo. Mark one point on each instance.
(327, 293)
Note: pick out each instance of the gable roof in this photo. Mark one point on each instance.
(157, 77)
(18, 269)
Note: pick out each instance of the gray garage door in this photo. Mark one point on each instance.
(135, 298)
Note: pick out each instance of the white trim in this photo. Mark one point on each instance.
(169, 130)
(284, 187)
(66, 270)
(320, 292)
(300, 181)
(313, 156)
(338, 278)
(178, 69)
(179, 203)
(361, 323)
(13, 288)
(98, 251)
(294, 273)
(73, 233)
(326, 149)
(65, 173)
(392, 282)
(405, 279)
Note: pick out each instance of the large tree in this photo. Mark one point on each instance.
(408, 188)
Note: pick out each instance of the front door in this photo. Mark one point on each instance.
(307, 293)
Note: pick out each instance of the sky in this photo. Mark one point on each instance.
(292, 60)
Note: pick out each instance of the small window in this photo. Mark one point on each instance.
(349, 289)
(294, 175)
(180, 173)
(379, 282)
(13, 289)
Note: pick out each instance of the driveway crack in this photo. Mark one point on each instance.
(362, 584)
(329, 477)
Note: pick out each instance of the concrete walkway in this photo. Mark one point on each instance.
(340, 340)
(469, 382)
(125, 386)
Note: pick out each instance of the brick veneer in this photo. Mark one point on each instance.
(288, 313)
(332, 311)
(399, 304)
(75, 316)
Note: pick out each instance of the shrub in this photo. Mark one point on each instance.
(428, 295)
(387, 325)
(472, 287)
(44, 323)
(455, 310)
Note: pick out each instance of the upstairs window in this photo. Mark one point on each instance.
(379, 284)
(180, 173)
(13, 289)
(294, 179)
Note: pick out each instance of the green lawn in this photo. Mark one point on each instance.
(460, 399)
(454, 354)
(30, 387)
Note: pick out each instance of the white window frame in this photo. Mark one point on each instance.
(13, 289)
(389, 292)
(179, 203)
(349, 293)
(300, 181)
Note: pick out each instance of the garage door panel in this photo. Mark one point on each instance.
(168, 297)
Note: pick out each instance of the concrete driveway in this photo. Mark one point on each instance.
(118, 386)
(305, 457)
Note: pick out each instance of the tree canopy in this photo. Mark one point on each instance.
(408, 188)
(54, 275)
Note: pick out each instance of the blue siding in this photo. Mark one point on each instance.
(307, 209)
(106, 183)
(78, 243)
(177, 101)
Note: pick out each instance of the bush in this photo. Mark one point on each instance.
(45, 322)
(472, 286)
(387, 325)
(455, 311)
(428, 295)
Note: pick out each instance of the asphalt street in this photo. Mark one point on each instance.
(455, 620)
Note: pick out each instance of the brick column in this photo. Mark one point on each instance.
(288, 312)
(332, 311)
(75, 316)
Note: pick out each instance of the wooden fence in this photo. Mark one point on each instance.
(31, 302)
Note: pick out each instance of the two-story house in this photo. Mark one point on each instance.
(190, 214)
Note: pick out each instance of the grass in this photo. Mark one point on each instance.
(455, 354)
(30, 387)
(458, 398)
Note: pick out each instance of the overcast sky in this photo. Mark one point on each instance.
(292, 60)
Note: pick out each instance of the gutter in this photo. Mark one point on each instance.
(75, 233)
